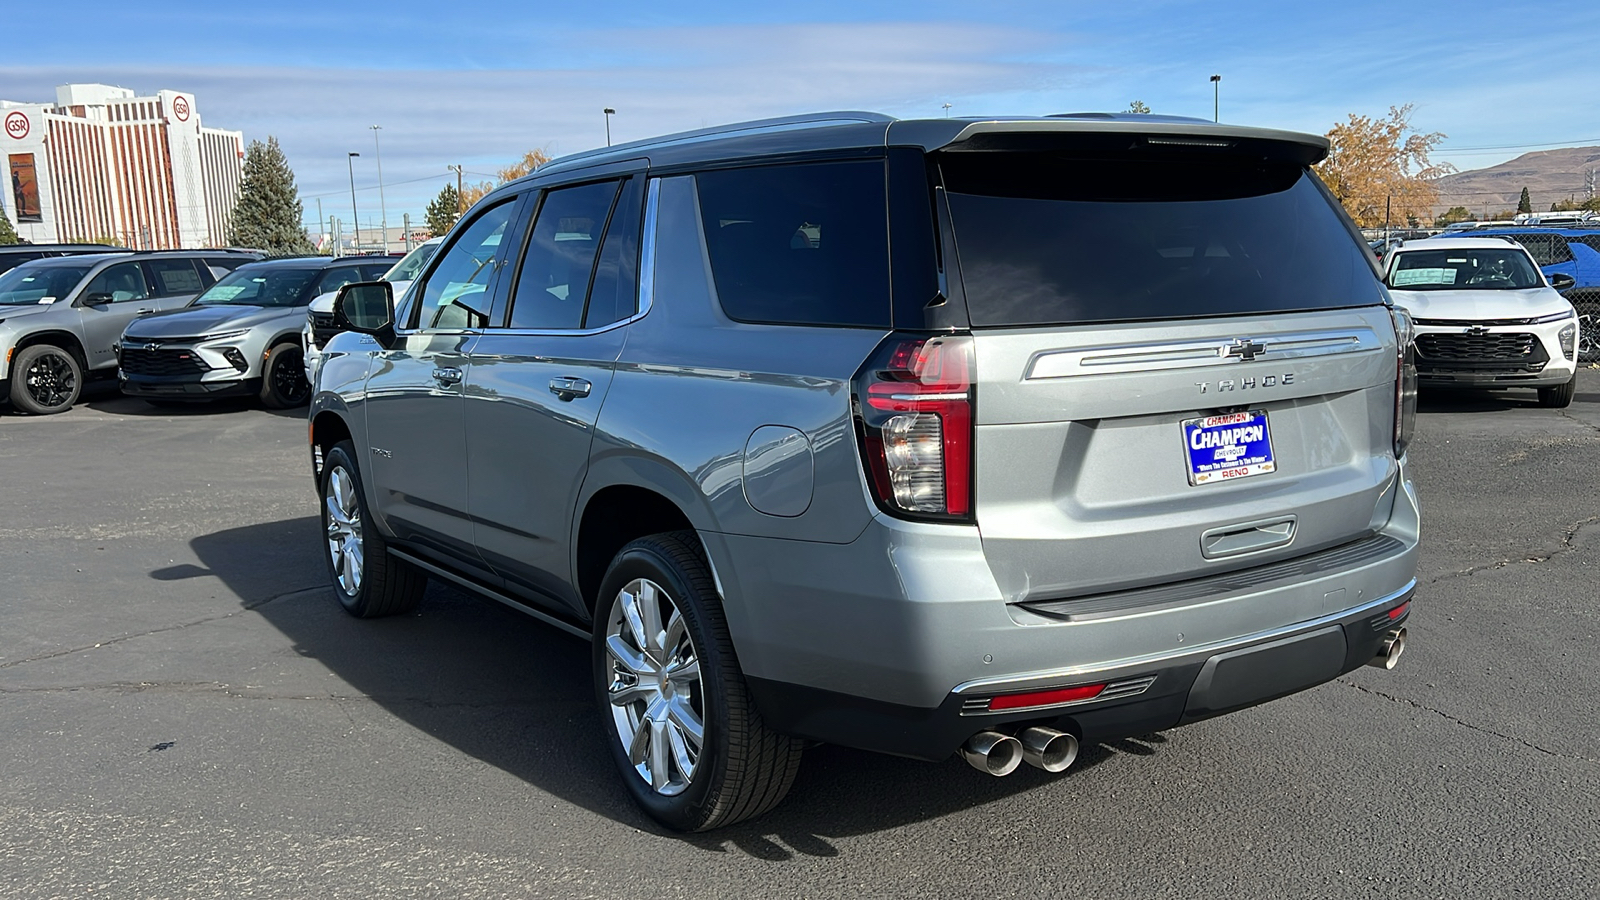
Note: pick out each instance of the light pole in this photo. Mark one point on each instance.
(383, 210)
(947, 110)
(355, 220)
(1216, 98)
(609, 113)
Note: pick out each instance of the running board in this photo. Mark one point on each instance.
(491, 593)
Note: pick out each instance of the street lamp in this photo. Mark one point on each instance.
(383, 209)
(946, 107)
(1216, 98)
(355, 220)
(609, 113)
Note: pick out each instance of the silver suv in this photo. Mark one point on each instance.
(924, 437)
(60, 317)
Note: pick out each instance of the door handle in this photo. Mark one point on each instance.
(143, 312)
(569, 388)
(447, 376)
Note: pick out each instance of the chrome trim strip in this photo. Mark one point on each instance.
(1111, 359)
(1081, 674)
(492, 594)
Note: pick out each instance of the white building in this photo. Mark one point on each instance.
(101, 163)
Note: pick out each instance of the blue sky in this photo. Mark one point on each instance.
(477, 83)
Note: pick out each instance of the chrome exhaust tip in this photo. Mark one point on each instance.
(1049, 749)
(1394, 644)
(992, 752)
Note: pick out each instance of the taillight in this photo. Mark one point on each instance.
(1405, 380)
(914, 409)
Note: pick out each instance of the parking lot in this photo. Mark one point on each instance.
(186, 711)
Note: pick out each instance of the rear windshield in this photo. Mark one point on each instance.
(1046, 239)
(1479, 269)
(251, 286)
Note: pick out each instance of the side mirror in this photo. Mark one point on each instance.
(366, 307)
(97, 299)
(1562, 281)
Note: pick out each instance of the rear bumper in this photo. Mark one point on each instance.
(1176, 690)
(897, 641)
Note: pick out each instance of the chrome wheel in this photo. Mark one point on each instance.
(1588, 334)
(51, 381)
(657, 702)
(344, 530)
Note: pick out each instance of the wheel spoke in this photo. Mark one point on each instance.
(684, 673)
(638, 743)
(674, 633)
(650, 613)
(635, 662)
(660, 751)
(630, 615)
(680, 751)
(629, 694)
(684, 716)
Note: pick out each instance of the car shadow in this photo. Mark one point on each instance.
(514, 693)
(1444, 400)
(121, 404)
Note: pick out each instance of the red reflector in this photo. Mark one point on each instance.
(1046, 698)
(1400, 610)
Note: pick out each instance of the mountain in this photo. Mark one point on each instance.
(1549, 176)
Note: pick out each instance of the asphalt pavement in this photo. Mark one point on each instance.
(186, 712)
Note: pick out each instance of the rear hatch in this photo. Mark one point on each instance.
(1183, 361)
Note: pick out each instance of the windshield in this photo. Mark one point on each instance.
(1045, 239)
(1479, 269)
(407, 269)
(250, 286)
(44, 284)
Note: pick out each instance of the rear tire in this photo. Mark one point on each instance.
(686, 737)
(370, 583)
(45, 379)
(283, 377)
(1560, 396)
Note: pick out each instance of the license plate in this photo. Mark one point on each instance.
(1236, 445)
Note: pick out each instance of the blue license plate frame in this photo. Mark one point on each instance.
(1228, 446)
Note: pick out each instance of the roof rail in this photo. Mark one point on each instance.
(735, 129)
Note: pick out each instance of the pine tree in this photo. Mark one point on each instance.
(443, 210)
(8, 235)
(1525, 205)
(267, 216)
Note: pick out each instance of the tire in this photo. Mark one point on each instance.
(369, 582)
(1588, 332)
(1560, 396)
(740, 768)
(283, 377)
(45, 380)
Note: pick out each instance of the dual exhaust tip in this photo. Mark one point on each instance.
(999, 754)
(1394, 644)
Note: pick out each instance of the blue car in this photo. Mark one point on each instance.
(1571, 251)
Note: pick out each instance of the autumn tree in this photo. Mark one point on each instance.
(1525, 205)
(531, 160)
(443, 211)
(268, 213)
(1380, 165)
(1452, 215)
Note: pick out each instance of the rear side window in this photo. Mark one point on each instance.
(799, 244)
(175, 276)
(1047, 239)
(615, 294)
(333, 279)
(1546, 249)
(553, 282)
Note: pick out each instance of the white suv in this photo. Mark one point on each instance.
(1485, 316)
(319, 315)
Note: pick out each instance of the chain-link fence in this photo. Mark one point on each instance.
(1586, 300)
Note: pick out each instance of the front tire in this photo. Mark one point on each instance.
(691, 747)
(1560, 396)
(45, 379)
(1588, 332)
(283, 377)
(369, 582)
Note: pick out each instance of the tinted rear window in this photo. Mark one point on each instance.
(1046, 239)
(799, 244)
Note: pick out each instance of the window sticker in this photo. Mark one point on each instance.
(226, 292)
(1424, 276)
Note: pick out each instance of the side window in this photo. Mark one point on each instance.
(1547, 249)
(615, 294)
(123, 281)
(174, 276)
(374, 272)
(799, 244)
(222, 265)
(333, 279)
(553, 282)
(456, 294)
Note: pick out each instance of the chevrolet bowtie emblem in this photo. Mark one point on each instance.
(152, 346)
(1244, 348)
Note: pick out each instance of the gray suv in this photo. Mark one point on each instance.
(985, 437)
(60, 317)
